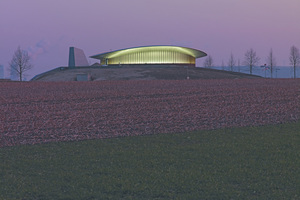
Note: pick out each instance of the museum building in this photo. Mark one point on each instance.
(151, 55)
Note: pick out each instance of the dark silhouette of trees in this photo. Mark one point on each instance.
(251, 59)
(294, 58)
(208, 62)
(239, 65)
(271, 62)
(20, 63)
(231, 62)
(223, 66)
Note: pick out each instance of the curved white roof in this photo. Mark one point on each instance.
(189, 51)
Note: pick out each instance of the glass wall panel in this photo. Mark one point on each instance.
(153, 57)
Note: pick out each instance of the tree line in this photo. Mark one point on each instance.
(251, 59)
(21, 61)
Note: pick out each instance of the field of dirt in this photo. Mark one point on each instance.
(42, 112)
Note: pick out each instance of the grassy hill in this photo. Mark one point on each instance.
(138, 72)
(233, 163)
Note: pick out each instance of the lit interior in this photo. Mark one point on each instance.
(151, 55)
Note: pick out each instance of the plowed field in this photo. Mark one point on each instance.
(41, 112)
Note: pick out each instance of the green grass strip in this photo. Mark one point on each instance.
(234, 163)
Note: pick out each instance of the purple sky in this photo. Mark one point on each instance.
(48, 28)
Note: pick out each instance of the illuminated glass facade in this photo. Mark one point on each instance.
(151, 55)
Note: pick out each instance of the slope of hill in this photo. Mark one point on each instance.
(139, 72)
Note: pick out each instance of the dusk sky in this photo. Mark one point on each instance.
(47, 28)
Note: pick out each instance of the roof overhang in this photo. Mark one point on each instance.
(189, 51)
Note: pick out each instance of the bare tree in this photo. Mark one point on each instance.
(239, 65)
(208, 62)
(20, 63)
(223, 66)
(251, 59)
(294, 58)
(231, 62)
(271, 62)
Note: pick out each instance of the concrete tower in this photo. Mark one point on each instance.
(77, 58)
